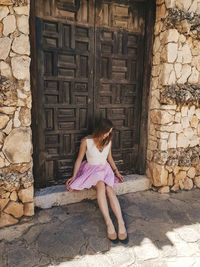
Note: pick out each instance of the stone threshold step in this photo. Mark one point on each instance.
(57, 195)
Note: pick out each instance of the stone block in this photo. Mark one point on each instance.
(177, 117)
(162, 135)
(164, 190)
(187, 55)
(176, 128)
(175, 188)
(7, 2)
(8, 128)
(18, 145)
(3, 121)
(23, 24)
(193, 7)
(161, 117)
(171, 36)
(159, 174)
(5, 195)
(185, 122)
(181, 184)
(14, 208)
(156, 59)
(26, 195)
(163, 145)
(22, 10)
(194, 141)
(188, 132)
(191, 111)
(170, 179)
(197, 112)
(25, 116)
(191, 172)
(155, 71)
(170, 3)
(152, 145)
(182, 38)
(9, 25)
(154, 103)
(178, 69)
(6, 220)
(184, 111)
(3, 12)
(5, 44)
(7, 110)
(188, 183)
(29, 209)
(186, 71)
(2, 137)
(156, 45)
(182, 141)
(180, 176)
(16, 120)
(185, 25)
(198, 129)
(197, 181)
(21, 67)
(13, 196)
(168, 74)
(160, 12)
(170, 53)
(194, 122)
(158, 27)
(172, 140)
(3, 203)
(5, 69)
(21, 45)
(194, 77)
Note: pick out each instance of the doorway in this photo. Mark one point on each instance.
(89, 63)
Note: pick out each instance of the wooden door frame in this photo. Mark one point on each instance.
(33, 77)
(147, 65)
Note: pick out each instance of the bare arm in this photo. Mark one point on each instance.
(113, 166)
(78, 161)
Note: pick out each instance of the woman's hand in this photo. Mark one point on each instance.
(70, 181)
(119, 176)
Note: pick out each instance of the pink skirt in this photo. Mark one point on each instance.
(89, 175)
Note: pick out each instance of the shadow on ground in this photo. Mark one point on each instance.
(160, 227)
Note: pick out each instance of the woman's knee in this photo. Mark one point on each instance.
(109, 190)
(100, 185)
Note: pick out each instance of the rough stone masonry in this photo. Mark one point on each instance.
(174, 115)
(16, 178)
(173, 161)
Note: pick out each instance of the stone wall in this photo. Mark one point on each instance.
(173, 153)
(16, 179)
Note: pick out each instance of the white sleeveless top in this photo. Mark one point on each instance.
(93, 155)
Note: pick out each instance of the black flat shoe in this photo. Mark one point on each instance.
(124, 241)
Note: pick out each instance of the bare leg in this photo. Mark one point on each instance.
(114, 203)
(103, 205)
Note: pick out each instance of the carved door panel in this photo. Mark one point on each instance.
(89, 64)
(118, 80)
(65, 39)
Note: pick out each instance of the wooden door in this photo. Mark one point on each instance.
(119, 34)
(89, 64)
(65, 34)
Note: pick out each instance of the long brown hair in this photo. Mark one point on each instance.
(102, 127)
